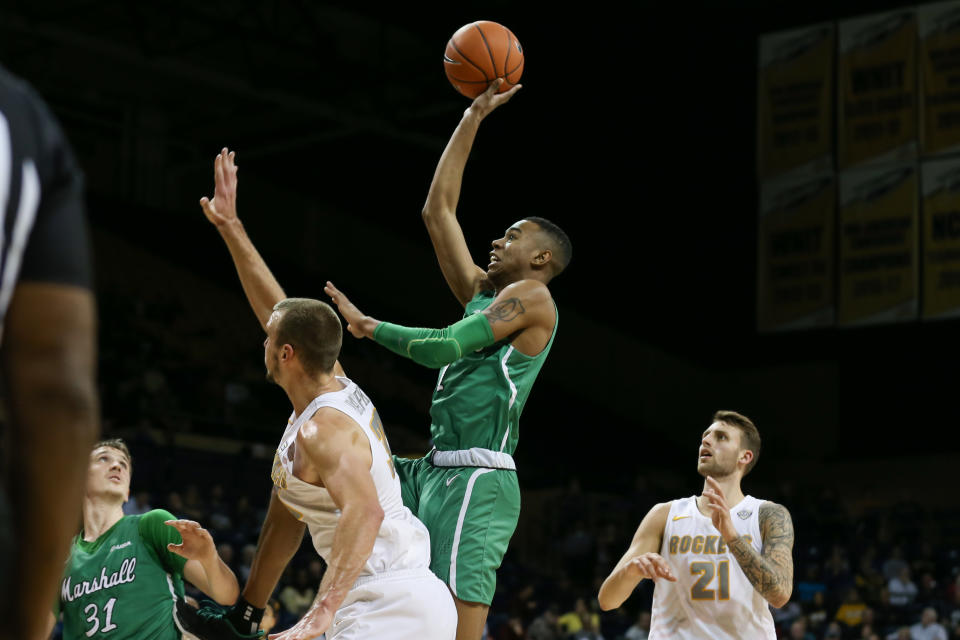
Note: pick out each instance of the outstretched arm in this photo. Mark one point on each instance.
(771, 570)
(440, 209)
(642, 560)
(262, 289)
(338, 450)
(521, 306)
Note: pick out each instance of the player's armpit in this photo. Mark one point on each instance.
(770, 571)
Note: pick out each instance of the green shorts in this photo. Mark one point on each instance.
(471, 513)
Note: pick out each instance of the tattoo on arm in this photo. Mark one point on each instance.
(506, 311)
(771, 571)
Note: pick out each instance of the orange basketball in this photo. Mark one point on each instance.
(479, 53)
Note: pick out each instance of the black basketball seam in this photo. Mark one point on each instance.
(493, 62)
(509, 49)
(457, 49)
(519, 64)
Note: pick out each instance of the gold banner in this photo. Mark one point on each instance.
(796, 252)
(939, 28)
(878, 245)
(795, 99)
(877, 89)
(941, 238)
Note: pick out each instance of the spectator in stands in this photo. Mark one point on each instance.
(816, 612)
(785, 615)
(641, 628)
(246, 560)
(810, 584)
(298, 596)
(837, 575)
(902, 590)
(894, 565)
(850, 613)
(798, 630)
(928, 628)
(868, 580)
(137, 505)
(574, 621)
(546, 625)
(833, 631)
(928, 591)
(903, 633)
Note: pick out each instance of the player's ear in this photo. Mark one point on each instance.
(746, 456)
(542, 257)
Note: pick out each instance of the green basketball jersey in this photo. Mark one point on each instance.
(124, 584)
(479, 398)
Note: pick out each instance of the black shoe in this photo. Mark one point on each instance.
(209, 622)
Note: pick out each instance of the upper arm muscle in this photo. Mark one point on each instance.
(520, 306)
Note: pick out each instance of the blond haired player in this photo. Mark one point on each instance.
(717, 559)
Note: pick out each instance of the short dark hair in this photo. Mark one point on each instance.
(119, 445)
(313, 329)
(749, 435)
(560, 243)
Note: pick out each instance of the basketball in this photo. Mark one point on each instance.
(479, 53)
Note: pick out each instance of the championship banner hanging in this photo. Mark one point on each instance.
(941, 238)
(796, 252)
(795, 100)
(878, 245)
(876, 79)
(939, 30)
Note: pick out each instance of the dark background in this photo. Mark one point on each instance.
(635, 132)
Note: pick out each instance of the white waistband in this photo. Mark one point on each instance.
(474, 457)
(392, 575)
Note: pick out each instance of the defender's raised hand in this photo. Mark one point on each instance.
(223, 208)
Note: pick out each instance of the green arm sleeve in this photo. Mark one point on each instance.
(436, 347)
(158, 535)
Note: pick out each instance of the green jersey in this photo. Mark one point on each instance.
(479, 398)
(124, 584)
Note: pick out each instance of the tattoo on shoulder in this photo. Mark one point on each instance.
(775, 524)
(506, 311)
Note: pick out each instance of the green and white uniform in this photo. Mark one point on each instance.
(466, 490)
(124, 584)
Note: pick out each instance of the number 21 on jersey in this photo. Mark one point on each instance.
(701, 590)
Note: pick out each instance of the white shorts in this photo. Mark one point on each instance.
(397, 605)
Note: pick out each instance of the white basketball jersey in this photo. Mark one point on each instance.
(403, 541)
(712, 598)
